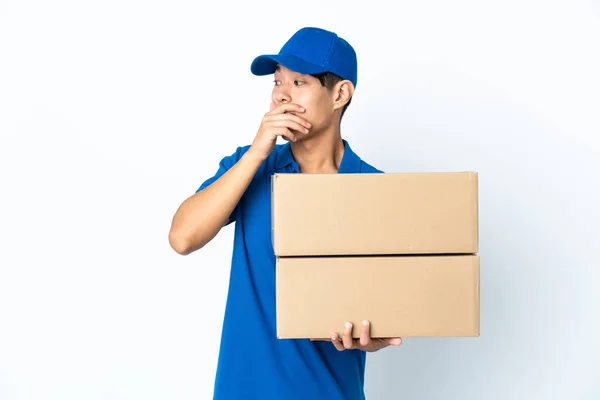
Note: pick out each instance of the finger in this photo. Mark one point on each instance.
(337, 342)
(288, 116)
(347, 336)
(286, 107)
(365, 336)
(298, 123)
(395, 341)
(290, 125)
(286, 133)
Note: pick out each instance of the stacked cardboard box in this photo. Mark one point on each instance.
(397, 249)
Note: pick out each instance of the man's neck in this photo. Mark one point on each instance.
(319, 155)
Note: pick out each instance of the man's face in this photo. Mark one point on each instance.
(306, 91)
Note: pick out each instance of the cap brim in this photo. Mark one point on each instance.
(266, 65)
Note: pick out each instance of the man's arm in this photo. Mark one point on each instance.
(201, 216)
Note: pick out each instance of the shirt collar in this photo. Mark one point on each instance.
(350, 160)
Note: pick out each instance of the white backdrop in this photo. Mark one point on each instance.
(113, 112)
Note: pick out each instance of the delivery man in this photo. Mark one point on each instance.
(315, 75)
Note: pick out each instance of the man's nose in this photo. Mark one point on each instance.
(282, 96)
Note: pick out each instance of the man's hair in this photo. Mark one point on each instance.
(328, 80)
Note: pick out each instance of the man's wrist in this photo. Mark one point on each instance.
(252, 159)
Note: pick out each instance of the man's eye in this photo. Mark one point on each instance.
(276, 83)
(298, 83)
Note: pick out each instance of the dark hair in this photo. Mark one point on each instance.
(328, 80)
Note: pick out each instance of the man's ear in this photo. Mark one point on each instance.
(343, 92)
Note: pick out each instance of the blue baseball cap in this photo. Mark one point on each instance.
(311, 51)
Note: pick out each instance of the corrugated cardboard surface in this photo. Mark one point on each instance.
(364, 214)
(401, 295)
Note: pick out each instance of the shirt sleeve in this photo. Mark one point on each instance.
(224, 165)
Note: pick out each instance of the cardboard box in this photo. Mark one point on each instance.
(402, 296)
(364, 214)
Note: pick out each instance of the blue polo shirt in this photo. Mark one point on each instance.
(253, 363)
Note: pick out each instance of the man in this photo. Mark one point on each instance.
(315, 75)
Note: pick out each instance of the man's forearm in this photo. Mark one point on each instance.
(201, 216)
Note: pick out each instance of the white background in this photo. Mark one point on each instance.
(107, 111)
